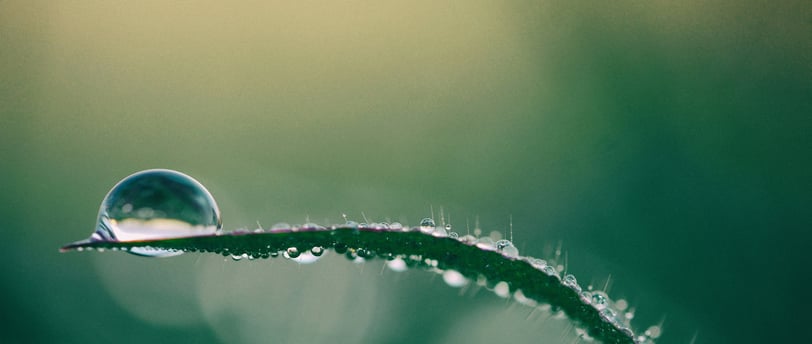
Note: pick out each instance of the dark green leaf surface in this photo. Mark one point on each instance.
(448, 253)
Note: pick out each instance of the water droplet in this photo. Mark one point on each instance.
(280, 227)
(600, 300)
(427, 225)
(157, 204)
(396, 226)
(365, 253)
(506, 248)
(440, 232)
(317, 251)
(502, 289)
(570, 281)
(292, 252)
(397, 264)
(454, 278)
(485, 243)
(453, 235)
(550, 270)
(310, 226)
(305, 258)
(340, 248)
(468, 239)
(537, 263)
(448, 227)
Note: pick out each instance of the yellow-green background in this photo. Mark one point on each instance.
(664, 143)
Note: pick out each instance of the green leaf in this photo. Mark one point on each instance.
(417, 248)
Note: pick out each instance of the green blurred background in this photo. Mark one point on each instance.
(666, 144)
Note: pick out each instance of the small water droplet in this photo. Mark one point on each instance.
(292, 252)
(506, 248)
(427, 225)
(157, 204)
(600, 300)
(570, 281)
(454, 278)
(396, 226)
(440, 232)
(537, 263)
(310, 226)
(453, 235)
(502, 289)
(305, 258)
(317, 251)
(550, 270)
(340, 248)
(448, 227)
(365, 253)
(467, 239)
(485, 243)
(280, 227)
(397, 264)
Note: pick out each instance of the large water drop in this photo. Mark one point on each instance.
(156, 204)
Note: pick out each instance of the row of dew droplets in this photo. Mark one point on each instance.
(161, 204)
(615, 312)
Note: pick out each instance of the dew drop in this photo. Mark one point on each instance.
(506, 248)
(317, 251)
(570, 281)
(467, 239)
(550, 270)
(427, 225)
(502, 289)
(156, 204)
(396, 226)
(454, 278)
(485, 243)
(440, 232)
(599, 300)
(397, 264)
(310, 226)
(305, 258)
(292, 252)
(280, 227)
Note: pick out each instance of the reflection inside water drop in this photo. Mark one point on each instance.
(156, 204)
